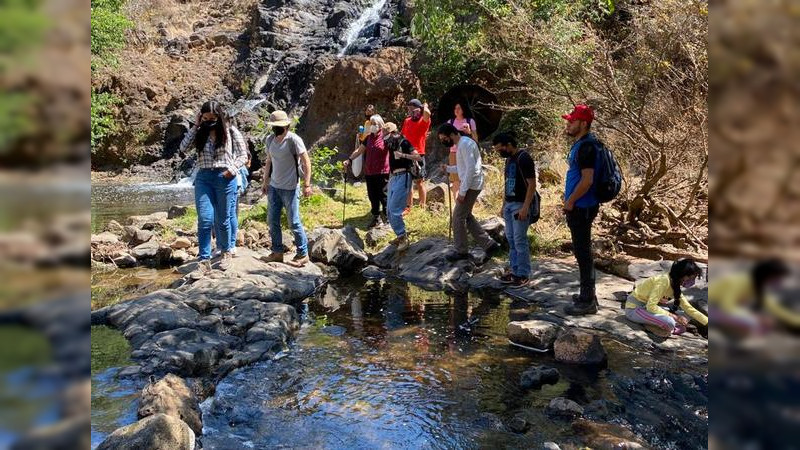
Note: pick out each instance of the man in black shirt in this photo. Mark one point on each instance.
(401, 156)
(520, 193)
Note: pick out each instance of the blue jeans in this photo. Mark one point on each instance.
(290, 200)
(213, 197)
(517, 236)
(234, 220)
(399, 187)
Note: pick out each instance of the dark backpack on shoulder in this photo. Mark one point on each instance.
(607, 175)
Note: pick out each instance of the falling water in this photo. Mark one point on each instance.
(368, 18)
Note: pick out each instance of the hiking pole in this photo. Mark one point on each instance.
(450, 210)
(344, 203)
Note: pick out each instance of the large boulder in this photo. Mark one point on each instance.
(340, 248)
(533, 333)
(496, 228)
(425, 264)
(384, 79)
(579, 347)
(171, 396)
(159, 431)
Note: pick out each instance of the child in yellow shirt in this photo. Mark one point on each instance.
(644, 303)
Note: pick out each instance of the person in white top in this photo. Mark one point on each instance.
(470, 173)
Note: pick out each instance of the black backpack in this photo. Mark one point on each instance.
(607, 176)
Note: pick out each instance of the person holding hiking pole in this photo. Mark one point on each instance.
(376, 168)
(470, 173)
(401, 157)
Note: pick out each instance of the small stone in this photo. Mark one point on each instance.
(105, 237)
(180, 257)
(518, 425)
(181, 242)
(177, 211)
(124, 260)
(579, 347)
(146, 250)
(550, 446)
(136, 236)
(537, 376)
(114, 227)
(373, 273)
(564, 407)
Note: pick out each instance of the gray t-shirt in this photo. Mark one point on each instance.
(285, 156)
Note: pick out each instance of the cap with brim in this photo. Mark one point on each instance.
(279, 119)
(389, 127)
(580, 112)
(415, 103)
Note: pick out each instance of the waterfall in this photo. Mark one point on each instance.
(369, 17)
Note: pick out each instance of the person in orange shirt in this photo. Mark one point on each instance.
(415, 130)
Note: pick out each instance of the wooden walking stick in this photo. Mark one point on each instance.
(450, 209)
(344, 202)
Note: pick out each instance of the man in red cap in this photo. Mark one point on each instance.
(581, 205)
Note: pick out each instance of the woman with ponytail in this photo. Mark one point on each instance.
(644, 304)
(741, 304)
(221, 152)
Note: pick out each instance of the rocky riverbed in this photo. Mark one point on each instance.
(227, 329)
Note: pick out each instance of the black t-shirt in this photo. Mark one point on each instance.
(400, 144)
(518, 168)
(586, 155)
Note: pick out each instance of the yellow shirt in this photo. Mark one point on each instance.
(656, 291)
(734, 294)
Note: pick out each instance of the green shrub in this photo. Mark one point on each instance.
(323, 169)
(107, 32)
(102, 116)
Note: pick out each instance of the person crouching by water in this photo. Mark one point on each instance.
(285, 153)
(401, 157)
(221, 152)
(644, 303)
(376, 170)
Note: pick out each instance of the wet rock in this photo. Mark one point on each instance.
(105, 237)
(114, 227)
(69, 433)
(425, 263)
(373, 273)
(340, 248)
(185, 351)
(171, 396)
(130, 372)
(136, 236)
(140, 318)
(123, 260)
(377, 234)
(579, 347)
(519, 425)
(496, 228)
(159, 431)
(536, 376)
(147, 250)
(334, 330)
(605, 435)
(181, 242)
(533, 333)
(180, 257)
(563, 407)
(550, 446)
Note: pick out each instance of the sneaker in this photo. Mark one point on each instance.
(376, 220)
(518, 281)
(507, 278)
(658, 331)
(300, 260)
(406, 211)
(457, 256)
(582, 308)
(402, 243)
(273, 257)
(232, 251)
(216, 254)
(226, 261)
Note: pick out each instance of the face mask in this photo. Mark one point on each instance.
(416, 114)
(208, 123)
(373, 129)
(447, 142)
(504, 153)
(278, 130)
(688, 283)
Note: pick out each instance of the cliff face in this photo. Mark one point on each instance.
(254, 56)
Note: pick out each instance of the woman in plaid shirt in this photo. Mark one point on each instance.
(221, 152)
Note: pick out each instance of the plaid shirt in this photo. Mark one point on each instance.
(233, 158)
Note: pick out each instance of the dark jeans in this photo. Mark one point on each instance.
(580, 221)
(376, 191)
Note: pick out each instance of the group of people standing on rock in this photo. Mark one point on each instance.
(394, 166)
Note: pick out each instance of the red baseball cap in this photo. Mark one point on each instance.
(581, 112)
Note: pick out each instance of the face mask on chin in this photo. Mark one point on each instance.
(278, 130)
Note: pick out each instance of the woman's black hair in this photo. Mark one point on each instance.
(221, 128)
(464, 108)
(764, 271)
(681, 268)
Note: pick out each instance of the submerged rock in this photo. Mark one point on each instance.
(536, 376)
(171, 396)
(579, 347)
(564, 407)
(159, 431)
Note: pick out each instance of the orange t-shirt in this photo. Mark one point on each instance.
(416, 131)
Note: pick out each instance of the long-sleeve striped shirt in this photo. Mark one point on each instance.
(232, 158)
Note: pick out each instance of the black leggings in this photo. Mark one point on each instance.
(376, 191)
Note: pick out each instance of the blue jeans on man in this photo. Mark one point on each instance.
(214, 196)
(288, 199)
(399, 187)
(517, 235)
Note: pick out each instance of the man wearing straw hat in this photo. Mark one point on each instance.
(285, 152)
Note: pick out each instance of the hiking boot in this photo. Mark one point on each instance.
(226, 261)
(376, 221)
(576, 298)
(582, 308)
(507, 278)
(300, 260)
(518, 281)
(402, 243)
(273, 257)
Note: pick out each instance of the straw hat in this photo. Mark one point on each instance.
(279, 119)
